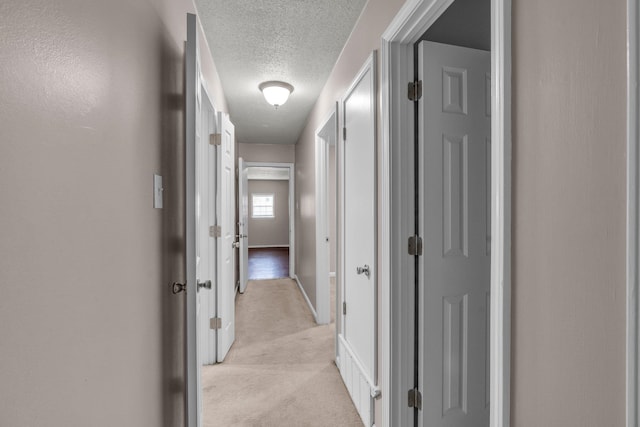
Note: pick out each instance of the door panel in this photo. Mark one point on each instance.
(226, 214)
(360, 221)
(454, 130)
(205, 213)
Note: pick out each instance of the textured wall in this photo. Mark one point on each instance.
(568, 326)
(92, 107)
(270, 231)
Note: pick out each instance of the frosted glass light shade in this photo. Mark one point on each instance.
(276, 93)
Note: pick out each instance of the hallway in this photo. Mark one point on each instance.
(280, 370)
(268, 263)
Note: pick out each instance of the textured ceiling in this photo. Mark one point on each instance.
(296, 41)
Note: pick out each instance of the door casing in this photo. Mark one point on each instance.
(292, 187)
(326, 135)
(397, 218)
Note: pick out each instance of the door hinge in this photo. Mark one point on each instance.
(414, 91)
(415, 399)
(215, 139)
(215, 323)
(344, 308)
(215, 231)
(344, 134)
(415, 245)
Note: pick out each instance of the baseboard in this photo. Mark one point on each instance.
(306, 298)
(359, 385)
(332, 274)
(267, 246)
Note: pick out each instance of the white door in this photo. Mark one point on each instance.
(359, 210)
(454, 274)
(225, 216)
(192, 122)
(243, 229)
(205, 214)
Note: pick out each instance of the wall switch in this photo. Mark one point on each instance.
(157, 191)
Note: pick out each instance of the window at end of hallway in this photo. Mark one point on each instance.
(262, 206)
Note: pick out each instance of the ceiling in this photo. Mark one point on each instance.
(295, 41)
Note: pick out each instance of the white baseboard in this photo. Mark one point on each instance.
(267, 246)
(358, 383)
(332, 274)
(306, 298)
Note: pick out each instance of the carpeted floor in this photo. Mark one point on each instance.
(280, 370)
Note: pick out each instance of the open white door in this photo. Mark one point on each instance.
(454, 132)
(192, 121)
(357, 342)
(243, 230)
(225, 232)
(206, 212)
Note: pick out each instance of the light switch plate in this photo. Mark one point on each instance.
(157, 191)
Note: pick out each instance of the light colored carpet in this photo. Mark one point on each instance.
(280, 370)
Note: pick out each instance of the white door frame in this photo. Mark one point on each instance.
(192, 362)
(326, 135)
(292, 228)
(633, 211)
(413, 19)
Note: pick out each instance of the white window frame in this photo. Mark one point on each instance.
(273, 206)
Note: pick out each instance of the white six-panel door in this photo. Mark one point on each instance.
(226, 214)
(454, 141)
(205, 214)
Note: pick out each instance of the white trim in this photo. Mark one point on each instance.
(375, 390)
(500, 330)
(325, 135)
(267, 246)
(306, 298)
(413, 19)
(192, 89)
(292, 218)
(633, 212)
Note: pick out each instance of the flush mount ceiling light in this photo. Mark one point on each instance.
(276, 93)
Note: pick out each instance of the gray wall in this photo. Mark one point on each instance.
(270, 231)
(569, 213)
(280, 153)
(92, 107)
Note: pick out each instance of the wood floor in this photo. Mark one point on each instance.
(268, 263)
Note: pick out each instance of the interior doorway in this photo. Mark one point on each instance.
(326, 218)
(433, 199)
(267, 221)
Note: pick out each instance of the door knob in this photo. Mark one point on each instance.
(364, 270)
(206, 284)
(235, 245)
